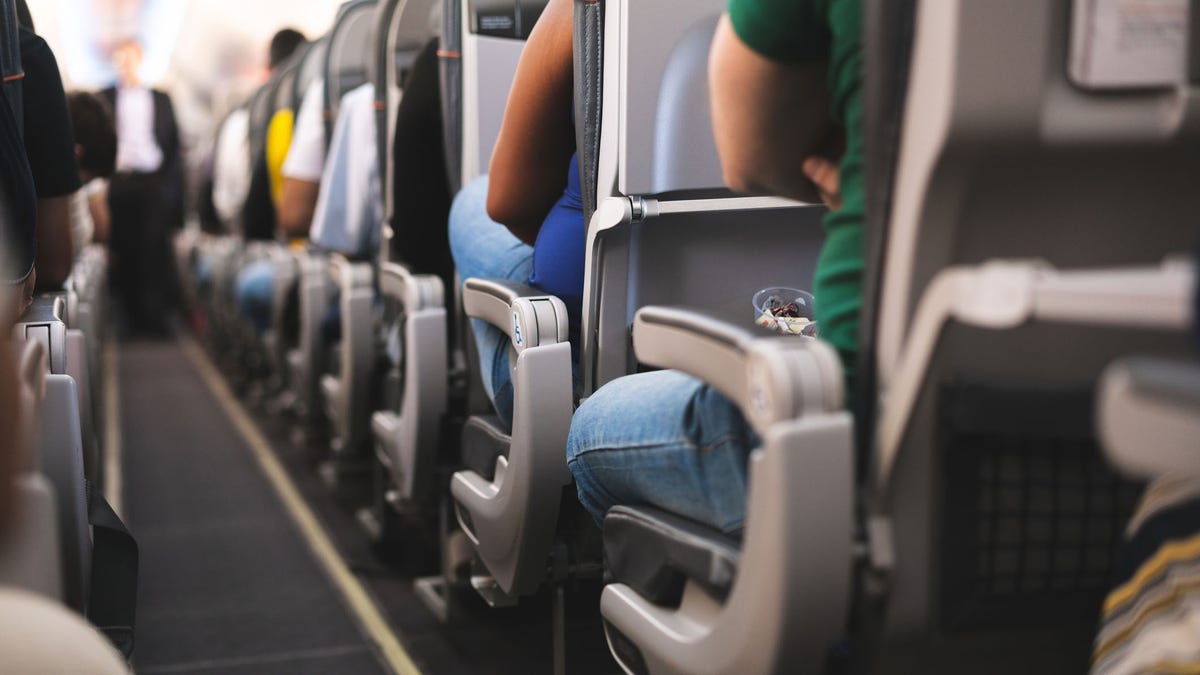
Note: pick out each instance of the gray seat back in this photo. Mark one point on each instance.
(348, 56)
(1003, 514)
(404, 28)
(450, 73)
(493, 34)
(1093, 172)
(311, 68)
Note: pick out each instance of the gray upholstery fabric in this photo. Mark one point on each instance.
(589, 78)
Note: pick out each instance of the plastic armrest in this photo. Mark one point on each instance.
(1148, 414)
(770, 378)
(529, 317)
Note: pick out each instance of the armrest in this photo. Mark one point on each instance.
(44, 322)
(414, 291)
(528, 316)
(349, 274)
(1148, 416)
(769, 378)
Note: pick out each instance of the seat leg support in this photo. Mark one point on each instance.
(560, 630)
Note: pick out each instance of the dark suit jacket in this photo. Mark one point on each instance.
(166, 134)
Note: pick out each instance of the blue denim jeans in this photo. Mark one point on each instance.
(481, 247)
(255, 293)
(662, 439)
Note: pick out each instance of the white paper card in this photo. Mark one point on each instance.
(1129, 43)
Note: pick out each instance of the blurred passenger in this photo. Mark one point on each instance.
(420, 186)
(51, 152)
(96, 149)
(145, 194)
(18, 219)
(256, 282)
(284, 46)
(231, 166)
(777, 68)
(301, 170)
(524, 221)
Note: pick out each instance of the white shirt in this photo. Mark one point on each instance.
(306, 155)
(349, 211)
(231, 166)
(136, 148)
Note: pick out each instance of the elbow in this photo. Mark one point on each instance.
(499, 209)
(745, 177)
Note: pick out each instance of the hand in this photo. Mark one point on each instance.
(825, 176)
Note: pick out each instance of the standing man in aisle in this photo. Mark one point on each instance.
(145, 195)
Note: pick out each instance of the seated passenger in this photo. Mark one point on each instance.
(524, 221)
(51, 152)
(663, 438)
(1150, 621)
(255, 283)
(18, 225)
(96, 149)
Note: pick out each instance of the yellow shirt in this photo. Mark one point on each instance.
(279, 139)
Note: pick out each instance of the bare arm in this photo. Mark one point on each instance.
(768, 117)
(54, 256)
(101, 217)
(297, 201)
(529, 165)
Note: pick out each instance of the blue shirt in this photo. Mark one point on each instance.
(558, 253)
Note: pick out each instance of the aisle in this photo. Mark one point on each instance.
(227, 584)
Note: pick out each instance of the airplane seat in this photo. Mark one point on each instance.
(1009, 516)
(31, 555)
(450, 74)
(99, 555)
(1148, 416)
(633, 258)
(283, 336)
(345, 67)
(993, 515)
(411, 335)
(61, 452)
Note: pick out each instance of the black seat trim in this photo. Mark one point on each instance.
(655, 552)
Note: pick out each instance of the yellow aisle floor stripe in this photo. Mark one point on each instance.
(113, 480)
(355, 596)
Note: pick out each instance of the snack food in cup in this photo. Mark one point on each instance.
(785, 310)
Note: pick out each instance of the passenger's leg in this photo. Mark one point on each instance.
(156, 282)
(484, 248)
(124, 202)
(662, 439)
(255, 293)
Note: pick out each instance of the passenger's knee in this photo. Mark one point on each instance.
(468, 208)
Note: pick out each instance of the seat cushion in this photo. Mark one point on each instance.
(654, 552)
(484, 438)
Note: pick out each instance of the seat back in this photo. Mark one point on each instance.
(406, 27)
(493, 34)
(262, 104)
(348, 56)
(285, 92)
(311, 68)
(990, 134)
(60, 454)
(650, 171)
(1003, 514)
(450, 74)
(387, 86)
